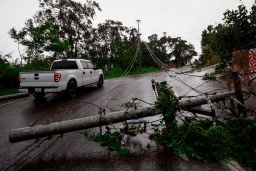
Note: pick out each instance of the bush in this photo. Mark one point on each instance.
(197, 140)
(234, 140)
(113, 141)
(9, 73)
(208, 76)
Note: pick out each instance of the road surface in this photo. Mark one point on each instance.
(72, 151)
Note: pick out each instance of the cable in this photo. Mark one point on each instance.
(181, 81)
(238, 102)
(128, 69)
(173, 74)
(132, 63)
(123, 75)
(161, 65)
(43, 150)
(15, 162)
(195, 87)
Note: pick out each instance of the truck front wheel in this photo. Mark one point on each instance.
(71, 88)
(101, 81)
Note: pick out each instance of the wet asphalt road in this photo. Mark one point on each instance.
(73, 151)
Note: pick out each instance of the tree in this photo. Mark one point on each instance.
(63, 29)
(183, 52)
(237, 32)
(115, 43)
(167, 48)
(60, 27)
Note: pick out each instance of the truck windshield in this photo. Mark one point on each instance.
(64, 65)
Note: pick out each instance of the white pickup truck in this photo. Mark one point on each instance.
(65, 75)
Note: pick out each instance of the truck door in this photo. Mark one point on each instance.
(93, 73)
(85, 73)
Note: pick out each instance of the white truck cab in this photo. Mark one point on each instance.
(65, 75)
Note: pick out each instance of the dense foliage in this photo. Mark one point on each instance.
(222, 142)
(235, 139)
(64, 29)
(198, 139)
(9, 72)
(238, 31)
(113, 141)
(169, 104)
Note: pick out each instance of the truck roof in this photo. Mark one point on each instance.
(71, 60)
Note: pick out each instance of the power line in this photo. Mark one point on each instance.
(184, 83)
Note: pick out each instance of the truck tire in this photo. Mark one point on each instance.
(100, 82)
(38, 96)
(71, 88)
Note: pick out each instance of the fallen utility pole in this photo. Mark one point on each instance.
(35, 132)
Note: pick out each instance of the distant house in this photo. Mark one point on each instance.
(174, 64)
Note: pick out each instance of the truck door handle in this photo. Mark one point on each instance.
(83, 72)
(91, 72)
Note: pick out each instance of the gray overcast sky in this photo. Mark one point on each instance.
(184, 18)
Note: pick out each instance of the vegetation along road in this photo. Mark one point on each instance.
(73, 150)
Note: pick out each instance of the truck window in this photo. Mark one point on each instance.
(90, 65)
(64, 65)
(83, 63)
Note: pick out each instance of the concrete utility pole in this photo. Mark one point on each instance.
(138, 21)
(235, 73)
(139, 41)
(38, 131)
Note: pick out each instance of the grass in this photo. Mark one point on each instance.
(209, 76)
(116, 72)
(8, 91)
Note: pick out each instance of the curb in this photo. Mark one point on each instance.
(12, 96)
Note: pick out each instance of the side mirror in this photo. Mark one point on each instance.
(96, 68)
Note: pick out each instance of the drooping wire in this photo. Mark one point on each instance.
(43, 150)
(171, 74)
(26, 154)
(184, 83)
(128, 69)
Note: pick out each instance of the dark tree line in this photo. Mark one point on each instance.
(238, 31)
(64, 29)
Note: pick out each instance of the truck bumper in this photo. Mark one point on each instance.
(52, 89)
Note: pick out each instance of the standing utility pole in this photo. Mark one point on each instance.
(140, 59)
(237, 46)
(138, 21)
